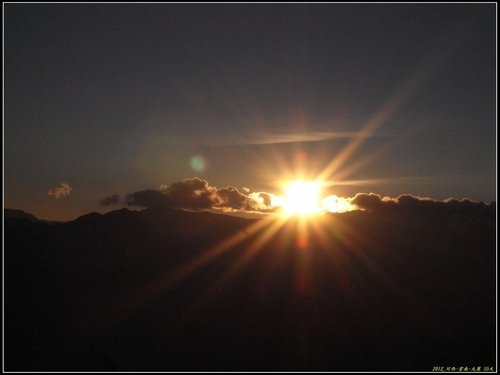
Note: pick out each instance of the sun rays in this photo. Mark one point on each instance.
(299, 223)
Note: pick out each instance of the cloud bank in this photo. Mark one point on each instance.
(61, 191)
(374, 202)
(197, 194)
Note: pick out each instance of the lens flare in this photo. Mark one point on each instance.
(197, 163)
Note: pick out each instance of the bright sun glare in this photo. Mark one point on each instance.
(302, 198)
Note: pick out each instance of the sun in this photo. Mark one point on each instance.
(302, 198)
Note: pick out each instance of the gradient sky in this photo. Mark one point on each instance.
(116, 98)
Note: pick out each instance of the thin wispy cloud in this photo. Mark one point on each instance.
(401, 180)
(61, 191)
(282, 138)
(404, 180)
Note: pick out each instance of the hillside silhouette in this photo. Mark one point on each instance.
(18, 214)
(380, 290)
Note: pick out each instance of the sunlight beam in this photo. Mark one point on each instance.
(373, 123)
(245, 258)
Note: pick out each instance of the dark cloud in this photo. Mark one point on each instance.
(230, 197)
(192, 193)
(198, 194)
(266, 198)
(367, 201)
(147, 198)
(110, 201)
(411, 203)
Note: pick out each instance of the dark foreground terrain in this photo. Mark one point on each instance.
(149, 291)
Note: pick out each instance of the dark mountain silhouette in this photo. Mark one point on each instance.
(18, 214)
(166, 290)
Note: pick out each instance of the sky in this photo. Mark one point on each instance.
(103, 99)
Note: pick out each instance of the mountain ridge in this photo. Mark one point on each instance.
(170, 290)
